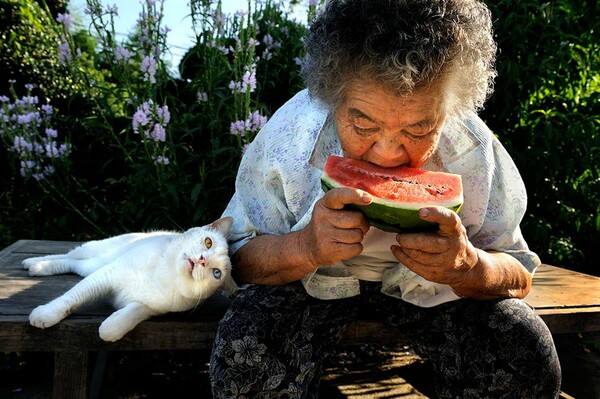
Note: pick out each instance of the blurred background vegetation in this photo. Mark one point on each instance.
(545, 109)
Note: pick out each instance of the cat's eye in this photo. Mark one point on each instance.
(217, 273)
(208, 242)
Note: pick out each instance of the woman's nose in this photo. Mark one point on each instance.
(388, 153)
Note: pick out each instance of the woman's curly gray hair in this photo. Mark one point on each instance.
(405, 45)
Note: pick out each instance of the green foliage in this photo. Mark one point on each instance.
(29, 54)
(149, 150)
(546, 109)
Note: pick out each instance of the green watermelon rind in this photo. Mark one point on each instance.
(391, 216)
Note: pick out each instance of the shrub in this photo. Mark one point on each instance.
(150, 150)
(546, 110)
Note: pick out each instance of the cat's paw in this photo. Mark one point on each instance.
(27, 263)
(38, 267)
(45, 316)
(111, 331)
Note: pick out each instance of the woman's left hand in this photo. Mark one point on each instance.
(444, 256)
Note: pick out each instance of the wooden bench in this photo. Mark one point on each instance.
(567, 301)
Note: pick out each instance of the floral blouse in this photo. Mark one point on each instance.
(278, 183)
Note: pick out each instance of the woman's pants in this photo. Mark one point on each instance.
(273, 339)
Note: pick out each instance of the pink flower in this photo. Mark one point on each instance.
(249, 80)
(139, 119)
(253, 123)
(237, 128)
(158, 133)
(160, 160)
(248, 83)
(152, 119)
(148, 67)
(122, 54)
(163, 114)
(65, 19)
(64, 53)
(52, 133)
(202, 97)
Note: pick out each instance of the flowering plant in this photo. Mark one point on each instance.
(26, 129)
(145, 148)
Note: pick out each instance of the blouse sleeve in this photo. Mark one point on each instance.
(495, 195)
(258, 205)
(506, 207)
(276, 185)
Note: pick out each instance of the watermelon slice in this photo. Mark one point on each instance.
(398, 193)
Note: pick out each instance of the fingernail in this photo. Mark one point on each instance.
(366, 197)
(424, 213)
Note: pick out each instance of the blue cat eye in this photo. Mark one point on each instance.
(217, 274)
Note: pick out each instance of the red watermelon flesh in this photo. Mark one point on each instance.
(398, 193)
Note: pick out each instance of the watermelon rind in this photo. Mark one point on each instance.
(392, 216)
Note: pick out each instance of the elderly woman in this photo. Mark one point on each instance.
(392, 82)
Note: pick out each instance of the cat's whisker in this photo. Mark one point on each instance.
(199, 301)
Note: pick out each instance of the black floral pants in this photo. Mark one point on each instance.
(273, 340)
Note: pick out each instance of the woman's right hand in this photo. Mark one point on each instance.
(335, 233)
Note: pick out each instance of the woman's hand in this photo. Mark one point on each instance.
(335, 233)
(445, 256)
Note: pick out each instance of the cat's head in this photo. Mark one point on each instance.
(204, 264)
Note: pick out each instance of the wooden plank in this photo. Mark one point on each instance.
(561, 321)
(44, 247)
(564, 395)
(369, 331)
(566, 300)
(79, 333)
(70, 375)
(20, 293)
(555, 287)
(12, 248)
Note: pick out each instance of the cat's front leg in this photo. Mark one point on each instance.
(124, 320)
(91, 288)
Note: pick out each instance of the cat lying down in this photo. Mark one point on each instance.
(144, 274)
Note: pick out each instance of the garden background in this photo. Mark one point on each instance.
(99, 136)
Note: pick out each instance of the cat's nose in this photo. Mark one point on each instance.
(202, 261)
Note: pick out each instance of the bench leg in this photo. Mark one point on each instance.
(70, 375)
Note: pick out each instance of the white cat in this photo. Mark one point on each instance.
(144, 274)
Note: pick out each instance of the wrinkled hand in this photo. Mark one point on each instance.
(334, 233)
(443, 256)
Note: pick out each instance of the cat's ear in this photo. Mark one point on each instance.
(223, 225)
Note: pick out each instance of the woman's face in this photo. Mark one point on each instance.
(388, 130)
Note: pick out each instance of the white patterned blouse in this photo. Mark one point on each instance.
(278, 183)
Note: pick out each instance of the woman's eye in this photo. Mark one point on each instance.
(208, 242)
(217, 273)
(365, 131)
(418, 135)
